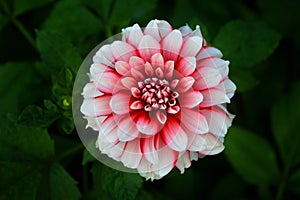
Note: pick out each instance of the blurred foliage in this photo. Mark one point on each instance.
(43, 43)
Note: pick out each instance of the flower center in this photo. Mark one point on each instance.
(156, 94)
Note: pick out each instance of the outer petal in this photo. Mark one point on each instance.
(214, 96)
(190, 99)
(149, 150)
(207, 144)
(90, 91)
(148, 46)
(133, 35)
(122, 51)
(228, 86)
(95, 122)
(206, 77)
(191, 46)
(158, 29)
(94, 107)
(216, 63)
(186, 66)
(185, 30)
(108, 82)
(194, 121)
(126, 128)
(120, 102)
(171, 45)
(104, 56)
(208, 51)
(184, 161)
(174, 136)
(132, 154)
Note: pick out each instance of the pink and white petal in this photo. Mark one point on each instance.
(104, 56)
(191, 46)
(228, 86)
(147, 47)
(194, 155)
(171, 45)
(174, 136)
(190, 99)
(194, 121)
(167, 160)
(147, 122)
(216, 63)
(129, 82)
(196, 32)
(126, 128)
(122, 51)
(108, 131)
(120, 101)
(213, 145)
(98, 69)
(206, 77)
(186, 66)
(153, 30)
(185, 30)
(209, 51)
(90, 91)
(218, 120)
(184, 161)
(95, 122)
(161, 116)
(164, 28)
(122, 68)
(108, 82)
(148, 149)
(133, 34)
(185, 84)
(115, 151)
(132, 154)
(157, 60)
(94, 107)
(213, 96)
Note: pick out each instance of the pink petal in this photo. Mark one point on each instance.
(185, 30)
(228, 86)
(196, 32)
(171, 45)
(213, 96)
(98, 69)
(169, 69)
(149, 69)
(129, 82)
(90, 91)
(164, 28)
(137, 75)
(174, 136)
(108, 131)
(119, 102)
(183, 161)
(218, 120)
(185, 84)
(136, 62)
(136, 105)
(148, 46)
(133, 34)
(108, 82)
(115, 151)
(148, 149)
(94, 122)
(153, 30)
(122, 51)
(206, 77)
(194, 121)
(157, 60)
(94, 107)
(190, 99)
(161, 116)
(104, 56)
(213, 145)
(126, 128)
(122, 67)
(186, 66)
(191, 46)
(208, 51)
(146, 123)
(132, 154)
(216, 63)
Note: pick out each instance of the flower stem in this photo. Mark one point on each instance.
(70, 151)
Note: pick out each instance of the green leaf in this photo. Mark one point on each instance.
(246, 43)
(57, 51)
(285, 126)
(70, 19)
(251, 156)
(3, 21)
(35, 116)
(243, 79)
(120, 185)
(22, 6)
(294, 182)
(101, 7)
(17, 80)
(87, 157)
(62, 185)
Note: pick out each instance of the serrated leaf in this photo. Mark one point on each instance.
(246, 43)
(57, 52)
(120, 185)
(62, 185)
(22, 6)
(17, 79)
(243, 79)
(72, 20)
(35, 116)
(285, 126)
(251, 156)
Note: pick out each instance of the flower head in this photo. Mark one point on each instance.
(157, 98)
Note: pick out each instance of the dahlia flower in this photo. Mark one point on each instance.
(157, 98)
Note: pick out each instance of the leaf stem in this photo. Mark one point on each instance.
(70, 151)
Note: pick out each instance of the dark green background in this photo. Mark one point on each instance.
(42, 44)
